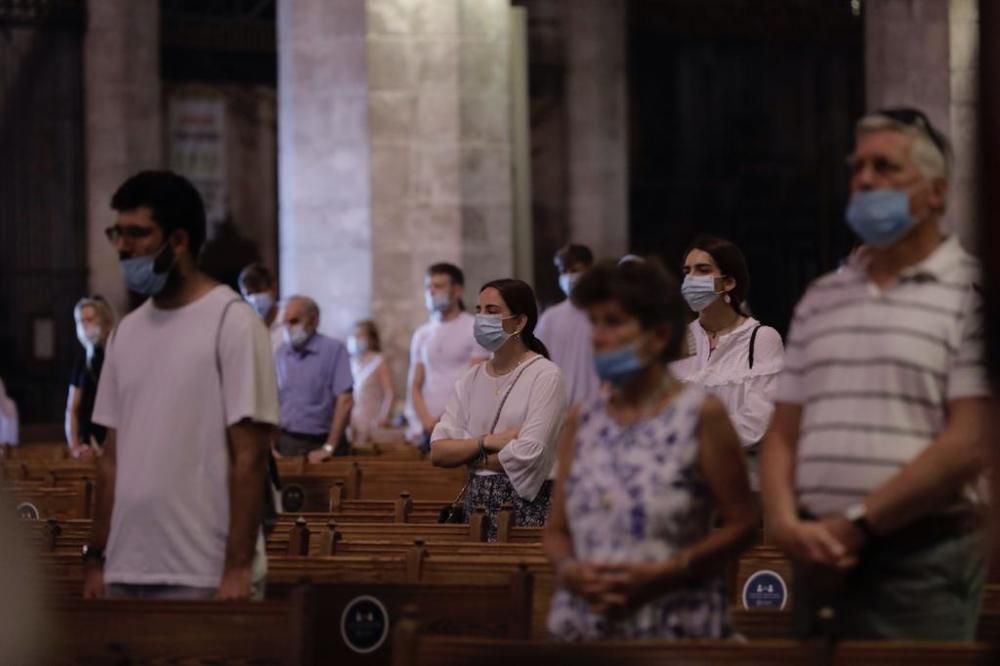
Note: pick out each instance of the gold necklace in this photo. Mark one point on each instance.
(499, 385)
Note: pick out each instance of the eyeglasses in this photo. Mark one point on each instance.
(116, 231)
(918, 121)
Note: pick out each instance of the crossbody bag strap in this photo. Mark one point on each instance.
(753, 341)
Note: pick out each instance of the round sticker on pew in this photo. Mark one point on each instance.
(293, 498)
(27, 511)
(765, 589)
(364, 624)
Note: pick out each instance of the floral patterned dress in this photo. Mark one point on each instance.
(635, 494)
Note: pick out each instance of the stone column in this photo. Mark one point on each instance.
(393, 154)
(597, 106)
(122, 117)
(922, 53)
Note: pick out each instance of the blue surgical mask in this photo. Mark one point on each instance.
(261, 303)
(141, 276)
(699, 291)
(437, 302)
(880, 217)
(356, 346)
(567, 281)
(619, 366)
(489, 333)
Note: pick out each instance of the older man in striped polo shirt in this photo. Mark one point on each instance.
(869, 468)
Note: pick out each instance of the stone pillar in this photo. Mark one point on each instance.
(393, 154)
(922, 53)
(122, 117)
(598, 124)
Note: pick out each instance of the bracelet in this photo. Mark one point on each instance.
(328, 447)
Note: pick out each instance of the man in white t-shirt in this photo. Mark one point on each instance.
(258, 287)
(565, 329)
(189, 398)
(440, 352)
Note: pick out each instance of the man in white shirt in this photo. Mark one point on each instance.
(258, 287)
(565, 329)
(189, 398)
(877, 440)
(440, 351)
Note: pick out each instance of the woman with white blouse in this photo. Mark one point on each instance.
(504, 416)
(374, 393)
(735, 357)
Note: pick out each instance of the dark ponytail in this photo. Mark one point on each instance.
(520, 299)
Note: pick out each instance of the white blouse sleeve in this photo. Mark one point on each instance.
(454, 423)
(528, 459)
(754, 416)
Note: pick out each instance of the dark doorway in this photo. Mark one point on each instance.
(741, 116)
(42, 203)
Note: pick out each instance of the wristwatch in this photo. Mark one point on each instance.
(857, 515)
(92, 554)
(328, 447)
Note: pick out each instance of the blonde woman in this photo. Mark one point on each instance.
(94, 321)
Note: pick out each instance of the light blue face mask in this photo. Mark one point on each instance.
(567, 281)
(141, 276)
(261, 303)
(489, 333)
(699, 291)
(437, 302)
(619, 366)
(880, 217)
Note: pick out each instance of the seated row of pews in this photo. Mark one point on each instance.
(359, 578)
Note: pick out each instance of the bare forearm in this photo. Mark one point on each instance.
(386, 408)
(248, 470)
(777, 478)
(72, 429)
(454, 452)
(420, 406)
(721, 546)
(105, 493)
(930, 481)
(341, 416)
(557, 544)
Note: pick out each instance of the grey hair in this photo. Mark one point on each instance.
(930, 160)
(312, 309)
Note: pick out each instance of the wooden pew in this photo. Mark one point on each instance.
(69, 501)
(143, 631)
(414, 647)
(382, 479)
(914, 653)
(36, 451)
(303, 538)
(496, 608)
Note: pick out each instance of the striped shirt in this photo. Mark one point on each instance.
(874, 371)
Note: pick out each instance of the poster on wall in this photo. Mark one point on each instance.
(196, 144)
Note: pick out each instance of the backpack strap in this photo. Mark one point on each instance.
(753, 342)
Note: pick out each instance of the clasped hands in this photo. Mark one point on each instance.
(831, 542)
(613, 588)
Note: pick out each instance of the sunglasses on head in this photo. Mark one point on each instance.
(918, 121)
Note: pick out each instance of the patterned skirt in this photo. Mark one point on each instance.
(495, 492)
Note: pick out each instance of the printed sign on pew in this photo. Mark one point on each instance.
(765, 589)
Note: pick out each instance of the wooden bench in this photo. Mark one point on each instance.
(913, 653)
(497, 608)
(144, 631)
(381, 479)
(414, 647)
(69, 501)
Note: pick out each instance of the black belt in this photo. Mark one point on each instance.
(315, 439)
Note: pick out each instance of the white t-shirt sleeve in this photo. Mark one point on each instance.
(528, 459)
(249, 388)
(454, 423)
(106, 406)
